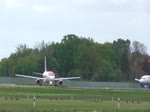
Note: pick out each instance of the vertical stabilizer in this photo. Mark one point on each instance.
(45, 65)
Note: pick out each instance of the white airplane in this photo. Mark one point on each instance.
(144, 81)
(47, 76)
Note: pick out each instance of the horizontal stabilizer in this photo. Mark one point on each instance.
(37, 73)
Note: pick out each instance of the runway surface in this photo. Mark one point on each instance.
(77, 84)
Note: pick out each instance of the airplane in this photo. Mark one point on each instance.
(144, 81)
(47, 77)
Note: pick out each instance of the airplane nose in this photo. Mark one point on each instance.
(141, 80)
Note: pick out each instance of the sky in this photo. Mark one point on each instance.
(32, 21)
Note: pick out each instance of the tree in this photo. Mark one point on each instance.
(138, 55)
(80, 56)
(66, 52)
(138, 48)
(122, 52)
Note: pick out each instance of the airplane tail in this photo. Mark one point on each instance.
(45, 65)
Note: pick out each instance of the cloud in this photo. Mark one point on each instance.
(13, 3)
(65, 7)
(10, 3)
(120, 2)
(86, 2)
(143, 5)
(50, 8)
(40, 8)
(140, 19)
(137, 4)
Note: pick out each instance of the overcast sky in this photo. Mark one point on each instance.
(31, 21)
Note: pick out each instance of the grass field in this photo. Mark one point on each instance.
(62, 99)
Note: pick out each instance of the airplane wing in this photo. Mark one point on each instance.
(31, 77)
(137, 80)
(68, 78)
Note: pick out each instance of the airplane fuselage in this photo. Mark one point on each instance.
(144, 81)
(49, 75)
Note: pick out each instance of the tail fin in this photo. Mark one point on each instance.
(45, 65)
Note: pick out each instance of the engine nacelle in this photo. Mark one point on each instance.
(39, 82)
(60, 82)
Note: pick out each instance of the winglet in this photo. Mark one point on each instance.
(45, 65)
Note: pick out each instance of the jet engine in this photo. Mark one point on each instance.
(39, 82)
(60, 82)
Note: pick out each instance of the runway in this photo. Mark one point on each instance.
(106, 85)
(77, 84)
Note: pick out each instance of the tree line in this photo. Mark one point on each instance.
(120, 60)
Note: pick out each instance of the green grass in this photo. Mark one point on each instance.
(51, 99)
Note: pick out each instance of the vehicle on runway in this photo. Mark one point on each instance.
(47, 77)
(144, 81)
